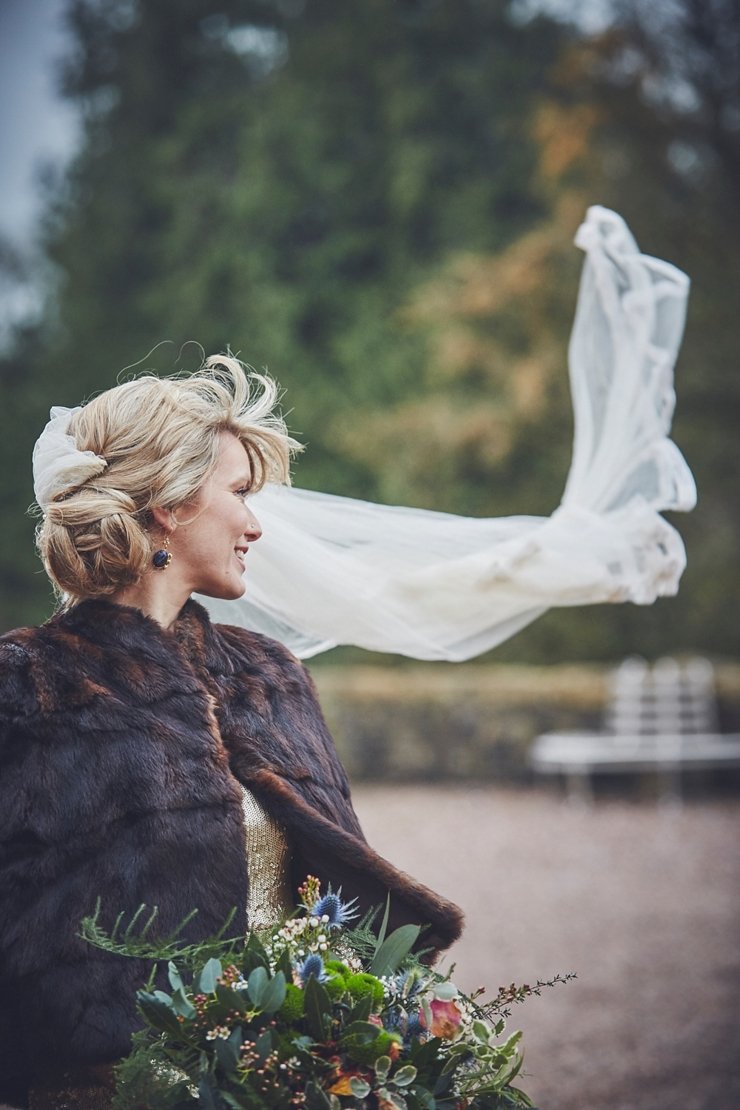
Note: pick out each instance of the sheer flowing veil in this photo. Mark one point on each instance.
(332, 570)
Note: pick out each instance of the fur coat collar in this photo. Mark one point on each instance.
(122, 750)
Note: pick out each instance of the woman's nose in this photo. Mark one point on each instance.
(253, 530)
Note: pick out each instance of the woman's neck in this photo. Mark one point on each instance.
(159, 597)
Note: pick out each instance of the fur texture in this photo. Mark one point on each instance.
(122, 747)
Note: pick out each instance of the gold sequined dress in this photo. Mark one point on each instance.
(268, 863)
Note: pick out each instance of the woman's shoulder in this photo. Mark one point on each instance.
(17, 687)
(256, 647)
(232, 649)
(252, 656)
(34, 670)
(62, 662)
(269, 701)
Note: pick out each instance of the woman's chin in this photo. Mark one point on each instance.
(230, 591)
(238, 590)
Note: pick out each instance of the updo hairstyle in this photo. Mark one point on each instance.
(160, 439)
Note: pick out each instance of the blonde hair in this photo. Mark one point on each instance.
(160, 439)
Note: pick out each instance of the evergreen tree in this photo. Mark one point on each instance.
(278, 177)
(377, 201)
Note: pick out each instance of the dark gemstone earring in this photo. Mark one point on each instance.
(161, 559)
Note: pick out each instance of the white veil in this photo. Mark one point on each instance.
(332, 570)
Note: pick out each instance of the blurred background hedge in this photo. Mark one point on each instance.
(424, 723)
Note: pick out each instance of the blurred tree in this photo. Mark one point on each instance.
(377, 201)
(645, 117)
(684, 59)
(489, 430)
(278, 176)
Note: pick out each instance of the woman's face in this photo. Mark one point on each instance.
(212, 537)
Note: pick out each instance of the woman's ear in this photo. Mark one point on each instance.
(163, 517)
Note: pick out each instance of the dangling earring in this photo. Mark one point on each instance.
(161, 559)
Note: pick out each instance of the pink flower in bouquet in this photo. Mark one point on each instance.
(446, 1019)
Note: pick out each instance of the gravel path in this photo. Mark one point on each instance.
(642, 903)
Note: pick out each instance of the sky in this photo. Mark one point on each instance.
(35, 124)
(36, 127)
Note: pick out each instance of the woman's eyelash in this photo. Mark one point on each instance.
(242, 492)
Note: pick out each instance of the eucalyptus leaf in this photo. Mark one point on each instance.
(162, 996)
(205, 981)
(257, 986)
(303, 1044)
(158, 1014)
(274, 994)
(227, 1052)
(231, 999)
(394, 950)
(174, 976)
(181, 1004)
(264, 1045)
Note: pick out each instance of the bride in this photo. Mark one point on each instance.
(150, 755)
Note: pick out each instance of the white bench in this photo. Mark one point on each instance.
(661, 720)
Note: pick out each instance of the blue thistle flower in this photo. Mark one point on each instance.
(338, 912)
(408, 983)
(414, 1028)
(313, 965)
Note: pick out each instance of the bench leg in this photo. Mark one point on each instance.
(669, 786)
(578, 786)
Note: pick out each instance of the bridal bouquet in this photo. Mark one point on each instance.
(314, 1013)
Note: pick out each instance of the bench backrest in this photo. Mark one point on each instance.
(670, 697)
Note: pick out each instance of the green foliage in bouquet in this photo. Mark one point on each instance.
(312, 1014)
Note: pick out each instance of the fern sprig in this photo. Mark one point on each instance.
(135, 943)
